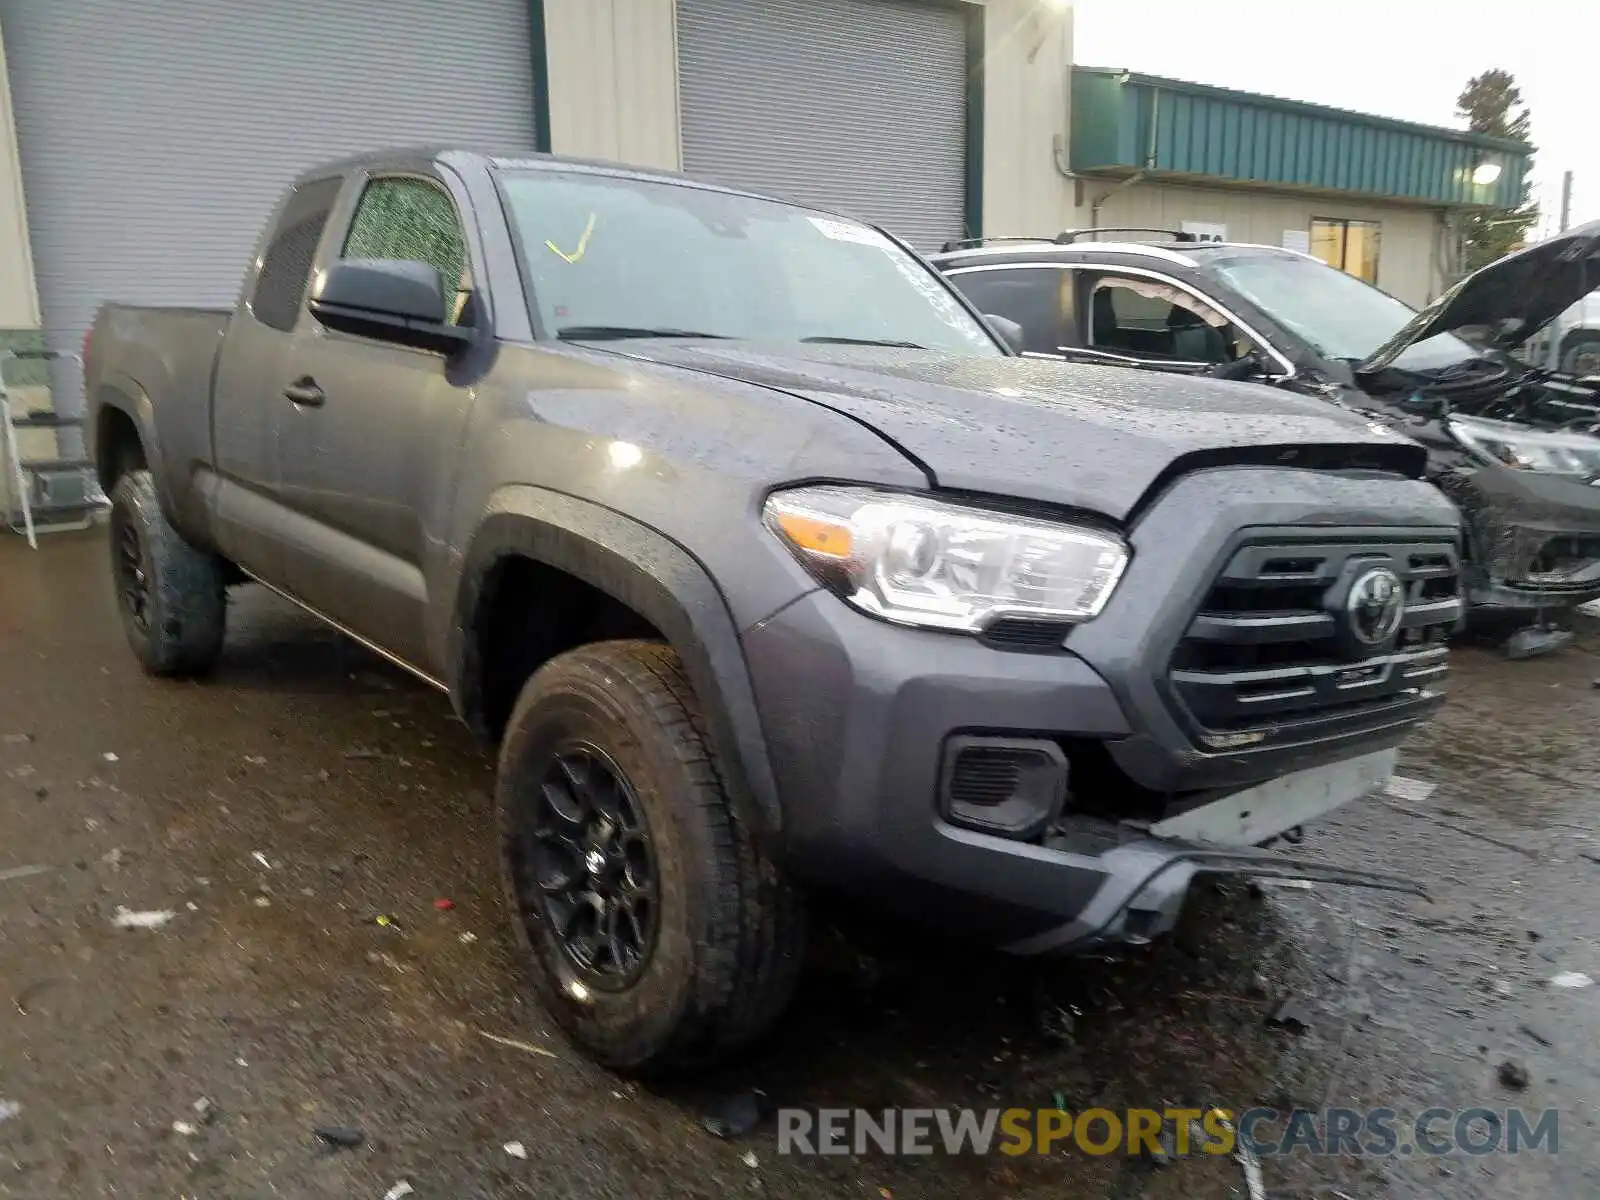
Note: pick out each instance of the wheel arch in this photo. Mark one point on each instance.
(122, 435)
(646, 573)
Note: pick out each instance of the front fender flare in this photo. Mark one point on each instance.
(652, 575)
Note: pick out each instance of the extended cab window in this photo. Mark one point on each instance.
(1037, 298)
(1150, 318)
(286, 264)
(416, 220)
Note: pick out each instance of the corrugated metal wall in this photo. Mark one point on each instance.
(156, 137)
(1172, 126)
(853, 105)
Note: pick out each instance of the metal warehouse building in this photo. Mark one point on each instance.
(141, 146)
(1375, 197)
(151, 140)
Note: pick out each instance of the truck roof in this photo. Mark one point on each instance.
(392, 157)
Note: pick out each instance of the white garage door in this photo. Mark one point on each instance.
(856, 105)
(155, 137)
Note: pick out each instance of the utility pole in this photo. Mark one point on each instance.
(1566, 201)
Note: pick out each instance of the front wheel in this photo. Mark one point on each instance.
(1580, 356)
(657, 934)
(170, 595)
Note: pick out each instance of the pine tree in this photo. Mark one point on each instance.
(1492, 104)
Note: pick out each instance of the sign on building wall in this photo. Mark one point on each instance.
(1205, 231)
(1298, 240)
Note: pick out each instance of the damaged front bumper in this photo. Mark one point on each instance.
(1535, 539)
(1147, 873)
(1148, 880)
(878, 813)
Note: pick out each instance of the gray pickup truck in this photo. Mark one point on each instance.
(772, 568)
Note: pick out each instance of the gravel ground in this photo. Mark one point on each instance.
(281, 808)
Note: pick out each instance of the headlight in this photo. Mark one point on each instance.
(922, 562)
(1527, 449)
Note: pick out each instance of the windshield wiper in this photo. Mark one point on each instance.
(855, 341)
(603, 333)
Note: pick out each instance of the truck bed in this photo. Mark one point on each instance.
(165, 357)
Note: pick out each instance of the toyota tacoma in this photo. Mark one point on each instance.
(772, 569)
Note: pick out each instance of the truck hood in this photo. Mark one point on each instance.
(1507, 302)
(1093, 438)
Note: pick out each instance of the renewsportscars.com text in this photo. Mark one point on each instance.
(1376, 1132)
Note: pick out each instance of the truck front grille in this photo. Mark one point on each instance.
(1274, 654)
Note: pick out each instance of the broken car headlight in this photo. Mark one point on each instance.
(1526, 449)
(919, 561)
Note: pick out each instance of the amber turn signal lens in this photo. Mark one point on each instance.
(814, 535)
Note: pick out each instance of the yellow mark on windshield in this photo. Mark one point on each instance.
(583, 243)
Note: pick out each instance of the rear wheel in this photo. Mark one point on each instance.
(657, 934)
(170, 595)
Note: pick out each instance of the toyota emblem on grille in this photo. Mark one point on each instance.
(1375, 606)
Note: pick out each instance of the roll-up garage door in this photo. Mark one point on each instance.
(855, 105)
(155, 137)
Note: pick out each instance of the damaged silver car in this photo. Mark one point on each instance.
(1510, 443)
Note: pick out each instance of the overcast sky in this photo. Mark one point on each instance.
(1398, 58)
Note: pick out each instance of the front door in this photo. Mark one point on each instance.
(367, 444)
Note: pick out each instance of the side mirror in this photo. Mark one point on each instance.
(1248, 367)
(1010, 332)
(393, 300)
(1429, 408)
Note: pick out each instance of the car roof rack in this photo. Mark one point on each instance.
(1067, 237)
(974, 242)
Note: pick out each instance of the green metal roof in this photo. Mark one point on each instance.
(1124, 122)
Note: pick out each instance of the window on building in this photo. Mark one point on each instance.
(1148, 318)
(281, 282)
(1352, 246)
(412, 219)
(1037, 298)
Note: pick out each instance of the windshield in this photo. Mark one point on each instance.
(614, 257)
(1340, 316)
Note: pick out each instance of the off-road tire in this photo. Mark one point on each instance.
(730, 930)
(185, 605)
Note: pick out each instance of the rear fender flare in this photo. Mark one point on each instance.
(652, 575)
(123, 393)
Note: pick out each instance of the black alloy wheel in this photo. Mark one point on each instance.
(595, 866)
(133, 581)
(655, 930)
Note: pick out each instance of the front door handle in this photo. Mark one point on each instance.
(305, 392)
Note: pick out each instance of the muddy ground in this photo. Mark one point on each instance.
(275, 993)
